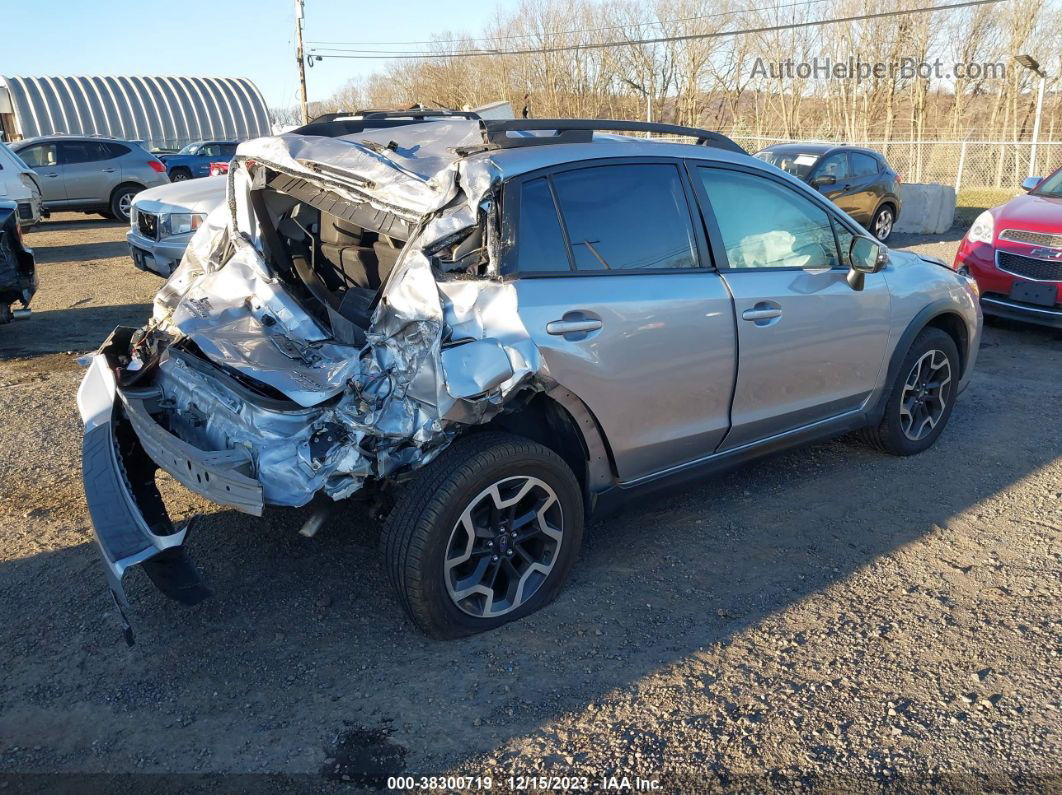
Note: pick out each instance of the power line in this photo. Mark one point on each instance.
(648, 23)
(661, 39)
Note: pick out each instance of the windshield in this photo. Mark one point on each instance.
(1052, 186)
(799, 164)
(189, 150)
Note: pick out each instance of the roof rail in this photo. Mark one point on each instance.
(571, 131)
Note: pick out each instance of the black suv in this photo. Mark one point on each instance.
(859, 181)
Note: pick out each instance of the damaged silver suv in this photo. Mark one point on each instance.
(490, 330)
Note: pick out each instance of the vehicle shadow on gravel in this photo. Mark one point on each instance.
(80, 328)
(104, 249)
(303, 642)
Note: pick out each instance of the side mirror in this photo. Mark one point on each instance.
(823, 179)
(1031, 182)
(865, 255)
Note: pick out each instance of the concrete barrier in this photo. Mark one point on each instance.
(928, 208)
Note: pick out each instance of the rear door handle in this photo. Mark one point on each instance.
(109, 170)
(762, 311)
(50, 176)
(561, 327)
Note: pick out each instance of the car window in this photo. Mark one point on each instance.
(836, 165)
(73, 152)
(117, 150)
(39, 155)
(625, 217)
(767, 225)
(796, 163)
(210, 150)
(863, 165)
(540, 241)
(228, 150)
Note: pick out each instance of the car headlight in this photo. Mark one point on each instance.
(982, 229)
(180, 223)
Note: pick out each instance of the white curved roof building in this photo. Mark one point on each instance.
(165, 112)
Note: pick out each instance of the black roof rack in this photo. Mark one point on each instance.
(333, 125)
(573, 131)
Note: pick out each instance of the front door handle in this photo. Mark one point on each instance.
(109, 170)
(761, 312)
(50, 176)
(562, 327)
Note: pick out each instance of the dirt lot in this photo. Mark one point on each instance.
(831, 616)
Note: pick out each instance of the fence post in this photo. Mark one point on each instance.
(962, 162)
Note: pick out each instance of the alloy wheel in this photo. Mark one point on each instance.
(178, 176)
(504, 546)
(925, 395)
(883, 224)
(125, 203)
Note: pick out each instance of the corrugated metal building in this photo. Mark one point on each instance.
(164, 112)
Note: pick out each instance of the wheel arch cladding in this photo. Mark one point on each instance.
(955, 327)
(559, 421)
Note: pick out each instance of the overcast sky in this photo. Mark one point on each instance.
(227, 38)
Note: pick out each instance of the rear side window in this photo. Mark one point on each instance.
(836, 165)
(117, 150)
(84, 152)
(626, 217)
(539, 237)
(767, 225)
(39, 155)
(863, 165)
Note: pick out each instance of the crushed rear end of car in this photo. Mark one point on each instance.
(333, 337)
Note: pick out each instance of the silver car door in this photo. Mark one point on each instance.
(43, 158)
(630, 316)
(811, 347)
(89, 171)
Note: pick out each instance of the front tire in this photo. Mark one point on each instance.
(485, 534)
(180, 175)
(921, 396)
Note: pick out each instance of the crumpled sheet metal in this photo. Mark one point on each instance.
(439, 354)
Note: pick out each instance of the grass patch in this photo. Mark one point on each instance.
(971, 202)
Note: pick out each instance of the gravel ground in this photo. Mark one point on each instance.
(829, 618)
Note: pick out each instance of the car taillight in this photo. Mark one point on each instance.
(219, 169)
(157, 165)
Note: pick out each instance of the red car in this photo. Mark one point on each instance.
(219, 169)
(1014, 252)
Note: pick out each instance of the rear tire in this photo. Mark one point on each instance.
(920, 398)
(490, 504)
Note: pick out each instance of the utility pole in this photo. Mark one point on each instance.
(1033, 66)
(301, 61)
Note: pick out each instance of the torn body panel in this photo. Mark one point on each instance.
(278, 365)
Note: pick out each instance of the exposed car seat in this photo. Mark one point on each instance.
(363, 257)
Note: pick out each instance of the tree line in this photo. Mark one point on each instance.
(886, 78)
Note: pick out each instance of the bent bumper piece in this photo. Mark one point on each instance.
(128, 517)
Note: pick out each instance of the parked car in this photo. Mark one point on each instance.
(194, 160)
(1014, 251)
(163, 220)
(18, 184)
(96, 175)
(219, 169)
(486, 338)
(859, 181)
(18, 275)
